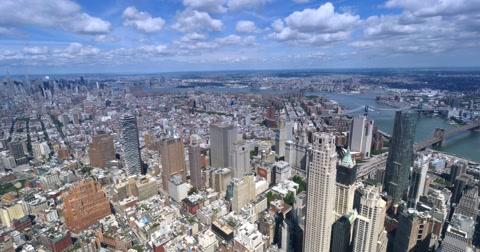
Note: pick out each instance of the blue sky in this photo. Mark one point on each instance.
(148, 36)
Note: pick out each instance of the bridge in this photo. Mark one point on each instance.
(439, 137)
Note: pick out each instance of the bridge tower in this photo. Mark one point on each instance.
(440, 133)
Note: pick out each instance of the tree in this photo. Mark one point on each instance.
(289, 198)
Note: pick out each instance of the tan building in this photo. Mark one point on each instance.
(101, 150)
(243, 192)
(173, 159)
(414, 231)
(85, 203)
(13, 211)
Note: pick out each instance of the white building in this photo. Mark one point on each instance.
(177, 188)
(283, 171)
(361, 135)
(370, 234)
(321, 193)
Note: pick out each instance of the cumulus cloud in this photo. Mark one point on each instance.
(190, 21)
(237, 40)
(314, 27)
(64, 14)
(430, 8)
(323, 19)
(210, 6)
(245, 26)
(142, 21)
(236, 5)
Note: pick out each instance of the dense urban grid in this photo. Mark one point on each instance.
(236, 161)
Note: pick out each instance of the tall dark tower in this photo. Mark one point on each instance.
(133, 160)
(400, 155)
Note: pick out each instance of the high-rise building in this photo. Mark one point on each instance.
(361, 135)
(400, 155)
(341, 233)
(345, 184)
(457, 169)
(173, 159)
(222, 138)
(243, 192)
(239, 160)
(297, 153)
(16, 150)
(377, 139)
(133, 161)
(271, 117)
(280, 138)
(370, 234)
(417, 181)
(414, 231)
(195, 165)
(101, 150)
(468, 204)
(85, 203)
(459, 234)
(321, 193)
(459, 185)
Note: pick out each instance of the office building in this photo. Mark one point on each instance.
(297, 153)
(321, 193)
(283, 171)
(400, 155)
(195, 165)
(417, 181)
(341, 233)
(243, 192)
(10, 212)
(280, 138)
(468, 204)
(133, 161)
(222, 137)
(459, 235)
(16, 150)
(345, 184)
(271, 117)
(459, 185)
(361, 135)
(239, 160)
(85, 203)
(414, 231)
(173, 159)
(457, 169)
(370, 234)
(101, 150)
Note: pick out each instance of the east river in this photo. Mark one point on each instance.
(465, 144)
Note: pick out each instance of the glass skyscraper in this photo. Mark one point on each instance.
(133, 163)
(400, 155)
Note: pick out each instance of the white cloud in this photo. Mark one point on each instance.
(237, 40)
(236, 5)
(190, 21)
(245, 26)
(278, 25)
(142, 21)
(324, 19)
(64, 14)
(430, 8)
(211, 6)
(102, 39)
(301, 1)
(36, 50)
(193, 37)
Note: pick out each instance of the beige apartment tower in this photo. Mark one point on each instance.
(321, 193)
(173, 159)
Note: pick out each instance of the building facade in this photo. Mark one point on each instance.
(133, 161)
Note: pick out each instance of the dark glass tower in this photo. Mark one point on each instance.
(400, 155)
(133, 162)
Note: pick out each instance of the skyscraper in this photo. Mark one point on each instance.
(133, 160)
(321, 193)
(222, 138)
(345, 184)
(101, 150)
(400, 155)
(417, 181)
(413, 232)
(173, 159)
(456, 170)
(280, 137)
(370, 234)
(195, 165)
(361, 135)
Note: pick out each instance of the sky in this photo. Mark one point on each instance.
(150, 36)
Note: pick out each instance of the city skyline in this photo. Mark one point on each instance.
(63, 36)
